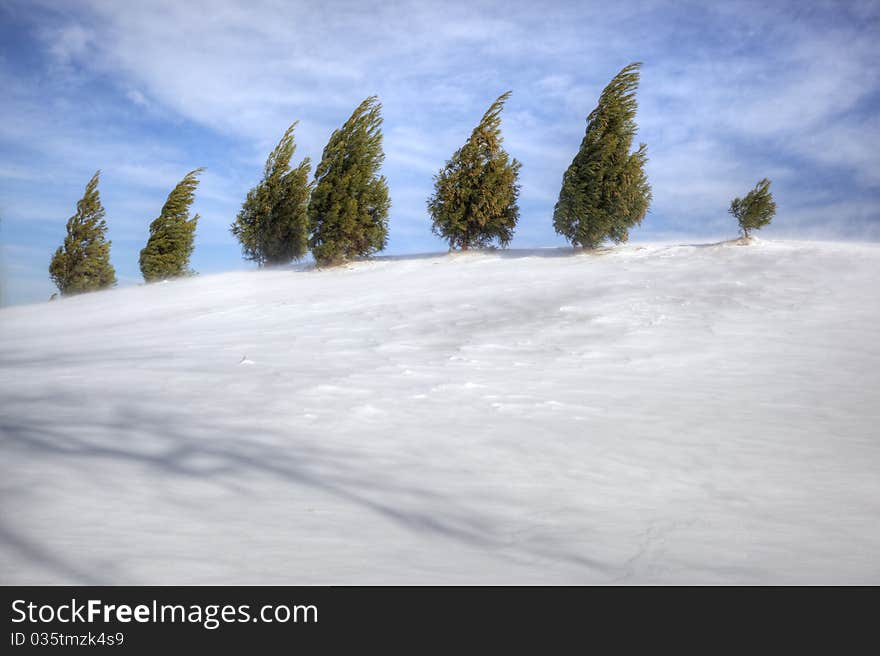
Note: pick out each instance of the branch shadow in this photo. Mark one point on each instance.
(31, 551)
(216, 453)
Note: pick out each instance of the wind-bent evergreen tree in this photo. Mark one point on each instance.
(172, 234)
(348, 211)
(474, 200)
(273, 224)
(755, 210)
(605, 191)
(82, 263)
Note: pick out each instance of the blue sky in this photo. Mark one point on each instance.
(731, 92)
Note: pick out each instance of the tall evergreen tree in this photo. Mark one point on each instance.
(273, 224)
(605, 191)
(474, 200)
(348, 211)
(755, 210)
(82, 263)
(172, 234)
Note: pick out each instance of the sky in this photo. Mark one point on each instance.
(731, 92)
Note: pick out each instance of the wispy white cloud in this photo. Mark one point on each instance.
(69, 42)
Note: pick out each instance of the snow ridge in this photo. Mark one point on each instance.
(647, 413)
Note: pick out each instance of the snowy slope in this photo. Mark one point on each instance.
(691, 413)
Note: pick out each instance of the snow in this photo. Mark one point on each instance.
(646, 414)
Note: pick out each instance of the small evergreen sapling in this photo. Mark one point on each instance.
(605, 191)
(475, 194)
(82, 262)
(755, 210)
(348, 210)
(172, 234)
(272, 226)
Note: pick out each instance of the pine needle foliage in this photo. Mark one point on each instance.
(474, 203)
(172, 234)
(605, 190)
(82, 262)
(272, 226)
(755, 210)
(348, 210)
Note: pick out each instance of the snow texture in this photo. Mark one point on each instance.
(643, 414)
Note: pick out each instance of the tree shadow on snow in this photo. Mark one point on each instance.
(227, 456)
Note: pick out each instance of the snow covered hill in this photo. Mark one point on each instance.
(688, 413)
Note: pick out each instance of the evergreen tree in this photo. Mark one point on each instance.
(273, 224)
(82, 263)
(474, 200)
(605, 191)
(348, 211)
(172, 233)
(755, 210)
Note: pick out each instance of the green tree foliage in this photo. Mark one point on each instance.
(605, 191)
(273, 223)
(755, 210)
(82, 263)
(348, 211)
(474, 200)
(172, 234)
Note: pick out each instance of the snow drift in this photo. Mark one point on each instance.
(691, 413)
